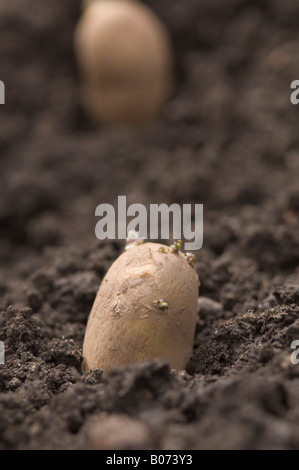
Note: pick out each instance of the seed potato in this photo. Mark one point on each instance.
(125, 61)
(146, 308)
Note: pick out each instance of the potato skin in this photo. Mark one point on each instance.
(125, 61)
(124, 327)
